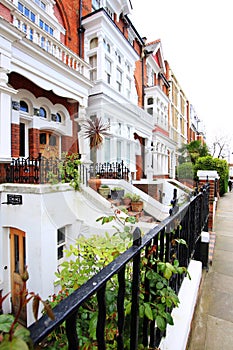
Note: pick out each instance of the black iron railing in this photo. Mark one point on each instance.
(114, 170)
(42, 170)
(185, 223)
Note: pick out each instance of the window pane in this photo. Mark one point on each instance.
(22, 140)
(60, 253)
(43, 138)
(42, 5)
(20, 7)
(23, 106)
(108, 66)
(107, 150)
(26, 12)
(43, 113)
(61, 235)
(93, 43)
(31, 34)
(52, 140)
(58, 118)
(118, 151)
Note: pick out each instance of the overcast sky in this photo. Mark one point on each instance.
(197, 41)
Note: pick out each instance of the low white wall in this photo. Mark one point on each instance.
(177, 335)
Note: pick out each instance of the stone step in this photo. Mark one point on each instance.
(140, 216)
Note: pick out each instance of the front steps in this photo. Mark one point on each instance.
(141, 216)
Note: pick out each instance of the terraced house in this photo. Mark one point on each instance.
(63, 63)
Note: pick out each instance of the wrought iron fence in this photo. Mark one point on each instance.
(185, 223)
(42, 170)
(114, 170)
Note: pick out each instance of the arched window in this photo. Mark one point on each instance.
(150, 101)
(58, 118)
(24, 106)
(93, 43)
(43, 113)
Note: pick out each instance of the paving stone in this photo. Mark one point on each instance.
(212, 325)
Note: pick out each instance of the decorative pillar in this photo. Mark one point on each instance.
(83, 143)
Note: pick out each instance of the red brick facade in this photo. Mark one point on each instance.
(15, 140)
(34, 145)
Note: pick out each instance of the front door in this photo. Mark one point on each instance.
(49, 144)
(18, 263)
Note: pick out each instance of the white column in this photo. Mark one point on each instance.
(6, 93)
(83, 142)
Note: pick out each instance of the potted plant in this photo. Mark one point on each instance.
(127, 198)
(94, 183)
(104, 190)
(117, 193)
(136, 203)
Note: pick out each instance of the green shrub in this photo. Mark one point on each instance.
(185, 171)
(220, 165)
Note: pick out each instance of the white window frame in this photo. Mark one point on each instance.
(119, 75)
(108, 69)
(61, 243)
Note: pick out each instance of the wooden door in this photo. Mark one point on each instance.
(18, 263)
(49, 144)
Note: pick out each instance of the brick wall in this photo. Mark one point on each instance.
(15, 133)
(5, 13)
(34, 145)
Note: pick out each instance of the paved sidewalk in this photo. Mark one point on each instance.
(212, 326)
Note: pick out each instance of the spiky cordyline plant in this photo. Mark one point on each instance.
(95, 130)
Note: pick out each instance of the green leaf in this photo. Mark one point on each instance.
(169, 319)
(15, 344)
(167, 273)
(161, 323)
(128, 309)
(171, 267)
(181, 241)
(5, 322)
(169, 302)
(159, 285)
(148, 311)
(150, 274)
(141, 311)
(93, 325)
(22, 333)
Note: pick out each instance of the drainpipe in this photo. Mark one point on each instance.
(80, 30)
(143, 80)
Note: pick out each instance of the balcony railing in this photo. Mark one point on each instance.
(186, 222)
(50, 44)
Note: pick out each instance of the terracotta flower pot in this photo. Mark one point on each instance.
(137, 206)
(94, 183)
